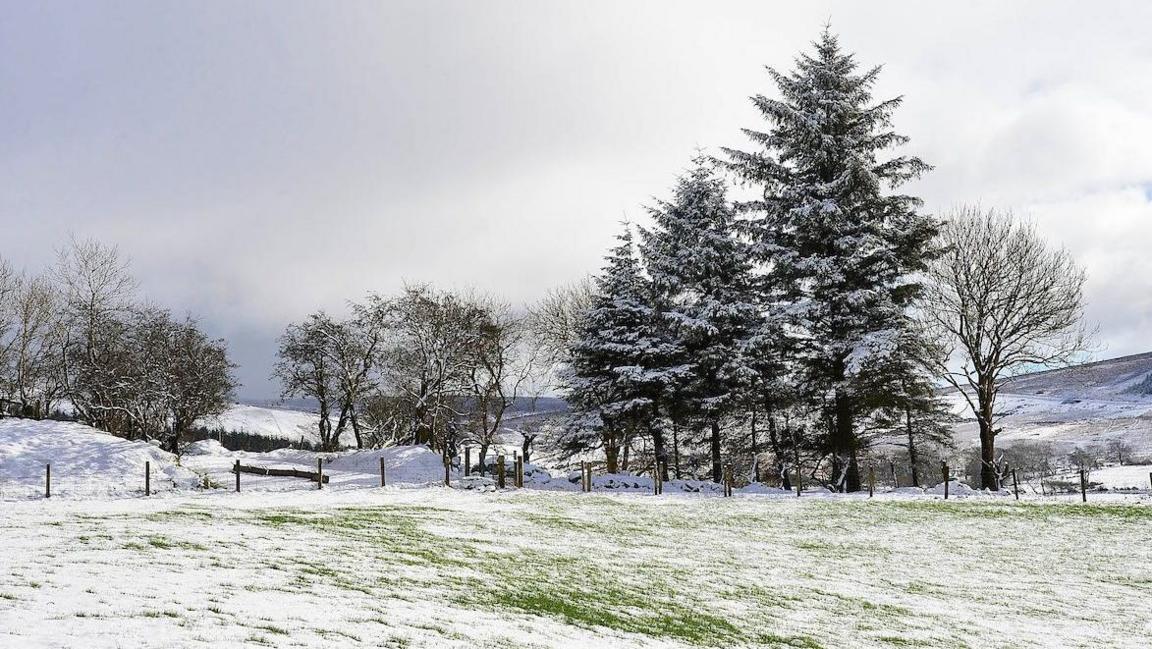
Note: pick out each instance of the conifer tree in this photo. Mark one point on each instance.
(908, 409)
(610, 384)
(844, 245)
(701, 276)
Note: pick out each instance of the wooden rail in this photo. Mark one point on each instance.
(289, 473)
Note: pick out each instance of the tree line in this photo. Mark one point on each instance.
(425, 366)
(77, 341)
(794, 330)
(789, 310)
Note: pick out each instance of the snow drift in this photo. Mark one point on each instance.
(85, 461)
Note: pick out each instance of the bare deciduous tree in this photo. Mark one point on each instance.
(198, 377)
(1004, 302)
(500, 364)
(36, 359)
(554, 321)
(97, 291)
(305, 368)
(431, 335)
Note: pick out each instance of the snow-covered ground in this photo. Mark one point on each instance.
(415, 564)
(86, 463)
(437, 567)
(1132, 476)
(280, 423)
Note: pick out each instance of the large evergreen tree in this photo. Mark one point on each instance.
(611, 382)
(843, 244)
(908, 407)
(701, 276)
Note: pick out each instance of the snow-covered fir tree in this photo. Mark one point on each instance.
(832, 229)
(615, 370)
(908, 409)
(701, 276)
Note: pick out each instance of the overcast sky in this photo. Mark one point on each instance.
(259, 160)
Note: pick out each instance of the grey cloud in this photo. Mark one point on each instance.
(259, 160)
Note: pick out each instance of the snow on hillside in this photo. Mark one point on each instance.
(280, 423)
(85, 462)
(1085, 404)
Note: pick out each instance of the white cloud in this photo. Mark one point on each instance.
(265, 159)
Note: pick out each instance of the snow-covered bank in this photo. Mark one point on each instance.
(90, 464)
(86, 463)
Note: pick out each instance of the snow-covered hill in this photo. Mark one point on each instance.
(1085, 404)
(85, 462)
(279, 423)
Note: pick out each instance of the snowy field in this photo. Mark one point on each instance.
(435, 567)
(415, 564)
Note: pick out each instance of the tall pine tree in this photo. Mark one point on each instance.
(701, 277)
(611, 383)
(843, 244)
(907, 407)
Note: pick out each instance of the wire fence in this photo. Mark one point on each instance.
(62, 481)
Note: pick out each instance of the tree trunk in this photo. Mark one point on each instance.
(483, 458)
(676, 447)
(755, 450)
(778, 453)
(913, 453)
(717, 466)
(355, 427)
(661, 452)
(611, 454)
(989, 479)
(846, 473)
(324, 427)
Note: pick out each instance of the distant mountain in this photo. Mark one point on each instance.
(1113, 378)
(1083, 404)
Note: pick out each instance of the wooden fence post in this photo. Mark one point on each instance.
(871, 480)
(1015, 485)
(799, 480)
(944, 469)
(1083, 487)
(590, 485)
(48, 480)
(236, 469)
(319, 473)
(467, 460)
(147, 478)
(382, 480)
(519, 471)
(892, 468)
(500, 471)
(447, 472)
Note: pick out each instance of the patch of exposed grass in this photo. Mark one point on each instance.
(620, 611)
(165, 543)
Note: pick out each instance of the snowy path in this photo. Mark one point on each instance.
(440, 568)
